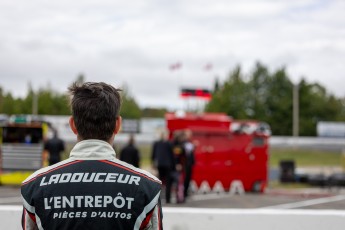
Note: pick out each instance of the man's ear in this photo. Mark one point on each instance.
(72, 125)
(118, 124)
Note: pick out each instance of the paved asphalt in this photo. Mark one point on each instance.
(313, 198)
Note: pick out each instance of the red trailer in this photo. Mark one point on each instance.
(229, 154)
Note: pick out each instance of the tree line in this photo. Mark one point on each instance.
(50, 102)
(266, 96)
(261, 95)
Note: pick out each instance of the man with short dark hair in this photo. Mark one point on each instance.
(92, 189)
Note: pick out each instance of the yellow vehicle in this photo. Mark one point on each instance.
(21, 148)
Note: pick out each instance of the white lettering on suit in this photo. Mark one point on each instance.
(58, 202)
(87, 178)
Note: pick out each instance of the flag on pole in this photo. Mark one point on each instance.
(175, 66)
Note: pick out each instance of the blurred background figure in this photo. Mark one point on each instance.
(180, 161)
(130, 153)
(189, 148)
(163, 160)
(54, 146)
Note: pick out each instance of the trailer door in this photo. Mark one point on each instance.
(213, 161)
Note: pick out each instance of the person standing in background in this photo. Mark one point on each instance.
(54, 146)
(163, 160)
(189, 149)
(180, 161)
(130, 153)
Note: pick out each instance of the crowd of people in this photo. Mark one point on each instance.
(174, 162)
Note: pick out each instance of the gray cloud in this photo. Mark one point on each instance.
(117, 42)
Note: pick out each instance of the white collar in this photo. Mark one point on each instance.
(93, 150)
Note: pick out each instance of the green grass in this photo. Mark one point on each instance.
(302, 157)
(277, 184)
(306, 157)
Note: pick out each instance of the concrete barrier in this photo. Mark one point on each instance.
(244, 219)
(252, 219)
(10, 217)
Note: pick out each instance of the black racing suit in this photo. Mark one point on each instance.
(91, 190)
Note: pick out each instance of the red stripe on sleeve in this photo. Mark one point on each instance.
(32, 216)
(146, 220)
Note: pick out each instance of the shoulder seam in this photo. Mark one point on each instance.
(49, 169)
(131, 168)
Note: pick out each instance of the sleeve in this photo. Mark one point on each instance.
(157, 218)
(29, 211)
(28, 220)
(153, 220)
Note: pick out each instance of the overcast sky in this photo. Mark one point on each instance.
(135, 42)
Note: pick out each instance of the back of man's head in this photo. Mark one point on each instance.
(95, 108)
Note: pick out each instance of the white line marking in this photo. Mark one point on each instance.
(307, 203)
(254, 212)
(210, 196)
(227, 212)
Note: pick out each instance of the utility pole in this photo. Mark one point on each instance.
(295, 110)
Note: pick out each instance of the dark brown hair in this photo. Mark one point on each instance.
(95, 107)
